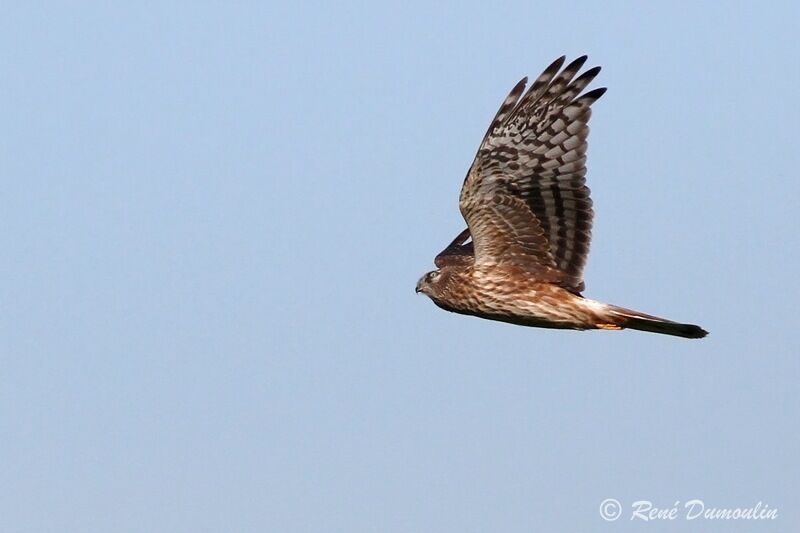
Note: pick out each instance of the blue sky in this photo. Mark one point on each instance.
(214, 216)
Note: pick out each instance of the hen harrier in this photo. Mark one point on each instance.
(529, 216)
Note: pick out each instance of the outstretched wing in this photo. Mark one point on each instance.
(525, 197)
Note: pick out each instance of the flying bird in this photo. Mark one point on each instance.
(529, 217)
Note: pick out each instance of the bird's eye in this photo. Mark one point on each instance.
(432, 275)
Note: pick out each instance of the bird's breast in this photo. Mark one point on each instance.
(513, 296)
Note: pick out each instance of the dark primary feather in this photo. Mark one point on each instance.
(525, 197)
(505, 108)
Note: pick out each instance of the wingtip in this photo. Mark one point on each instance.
(592, 72)
(595, 94)
(556, 65)
(577, 63)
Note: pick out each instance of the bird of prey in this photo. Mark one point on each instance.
(529, 217)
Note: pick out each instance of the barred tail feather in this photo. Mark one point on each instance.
(626, 318)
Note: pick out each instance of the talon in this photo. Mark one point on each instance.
(608, 326)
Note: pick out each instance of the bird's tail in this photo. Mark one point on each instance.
(626, 318)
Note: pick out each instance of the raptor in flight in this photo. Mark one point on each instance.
(529, 217)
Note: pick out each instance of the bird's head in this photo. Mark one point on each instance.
(431, 283)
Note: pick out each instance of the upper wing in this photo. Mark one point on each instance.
(525, 198)
(458, 252)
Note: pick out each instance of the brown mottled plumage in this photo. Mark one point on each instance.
(529, 216)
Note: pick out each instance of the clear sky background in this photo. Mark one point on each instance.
(214, 215)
